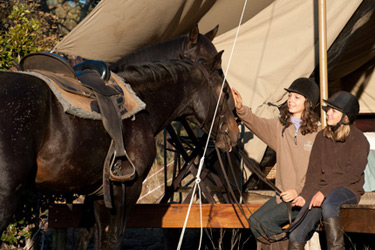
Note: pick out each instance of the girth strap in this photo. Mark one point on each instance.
(112, 121)
(113, 124)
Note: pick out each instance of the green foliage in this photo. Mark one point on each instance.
(16, 233)
(28, 26)
(19, 40)
(25, 29)
(20, 227)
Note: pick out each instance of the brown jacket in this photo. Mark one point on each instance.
(337, 164)
(292, 159)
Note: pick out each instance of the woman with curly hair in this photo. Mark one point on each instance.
(291, 136)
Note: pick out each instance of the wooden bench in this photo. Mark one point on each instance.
(355, 218)
(163, 216)
(358, 218)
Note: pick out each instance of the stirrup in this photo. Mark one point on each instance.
(115, 170)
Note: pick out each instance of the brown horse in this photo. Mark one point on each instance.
(60, 153)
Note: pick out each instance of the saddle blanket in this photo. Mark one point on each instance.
(82, 106)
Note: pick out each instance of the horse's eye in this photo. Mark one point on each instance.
(221, 73)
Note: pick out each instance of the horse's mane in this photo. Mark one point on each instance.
(159, 50)
(163, 71)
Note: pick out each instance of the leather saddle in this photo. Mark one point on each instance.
(89, 79)
(92, 74)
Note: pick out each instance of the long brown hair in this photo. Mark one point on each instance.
(310, 120)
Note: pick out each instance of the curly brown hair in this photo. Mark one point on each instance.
(310, 120)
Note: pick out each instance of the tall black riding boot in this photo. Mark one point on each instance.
(296, 245)
(334, 233)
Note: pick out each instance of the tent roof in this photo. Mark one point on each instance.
(116, 28)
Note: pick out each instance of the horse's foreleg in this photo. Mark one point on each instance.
(8, 204)
(12, 183)
(10, 192)
(110, 223)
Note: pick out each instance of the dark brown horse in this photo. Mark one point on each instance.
(60, 153)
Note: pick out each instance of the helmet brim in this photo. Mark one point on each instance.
(295, 91)
(330, 104)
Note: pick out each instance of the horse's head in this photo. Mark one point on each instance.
(198, 46)
(225, 128)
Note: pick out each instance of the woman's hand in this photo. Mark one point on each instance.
(289, 195)
(237, 99)
(299, 202)
(317, 200)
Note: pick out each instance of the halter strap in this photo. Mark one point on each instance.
(203, 69)
(207, 76)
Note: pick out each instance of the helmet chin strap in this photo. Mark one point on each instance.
(335, 127)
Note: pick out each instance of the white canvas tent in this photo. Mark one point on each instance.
(277, 42)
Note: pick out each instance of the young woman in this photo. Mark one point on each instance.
(292, 137)
(335, 173)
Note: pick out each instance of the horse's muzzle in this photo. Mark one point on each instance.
(227, 136)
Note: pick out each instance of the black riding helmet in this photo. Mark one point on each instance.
(306, 87)
(344, 102)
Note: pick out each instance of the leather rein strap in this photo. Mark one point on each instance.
(256, 170)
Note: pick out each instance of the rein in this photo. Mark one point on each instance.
(219, 116)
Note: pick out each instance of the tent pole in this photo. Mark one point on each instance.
(323, 58)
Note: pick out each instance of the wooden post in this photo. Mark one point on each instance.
(323, 58)
(59, 239)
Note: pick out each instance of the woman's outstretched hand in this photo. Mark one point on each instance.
(237, 99)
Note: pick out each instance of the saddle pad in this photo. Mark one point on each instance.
(82, 106)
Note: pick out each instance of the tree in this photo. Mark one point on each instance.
(28, 26)
(25, 29)
(69, 12)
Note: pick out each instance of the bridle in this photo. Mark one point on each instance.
(218, 120)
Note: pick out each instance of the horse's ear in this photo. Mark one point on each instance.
(214, 63)
(212, 33)
(217, 60)
(193, 35)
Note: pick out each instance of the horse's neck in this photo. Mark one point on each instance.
(165, 104)
(170, 49)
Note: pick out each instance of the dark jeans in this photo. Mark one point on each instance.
(330, 208)
(270, 218)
